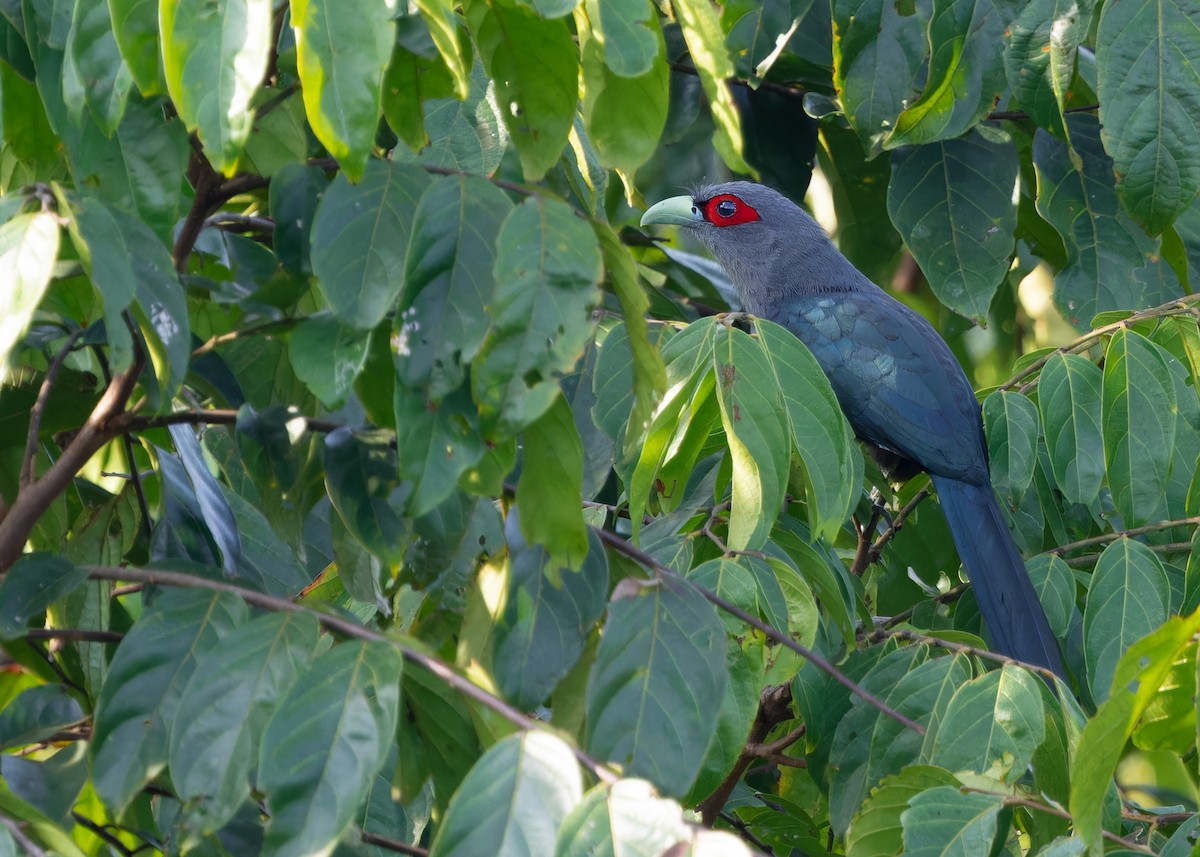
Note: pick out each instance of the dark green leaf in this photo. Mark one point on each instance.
(294, 194)
(1013, 429)
(1055, 586)
(535, 67)
(953, 204)
(465, 135)
(37, 714)
(213, 506)
(1148, 65)
(443, 312)
(1039, 56)
(451, 41)
(656, 686)
(140, 697)
(327, 357)
(946, 822)
(1111, 263)
(360, 474)
(1070, 403)
(34, 582)
(342, 50)
(876, 830)
(1129, 597)
(437, 442)
(92, 48)
(550, 487)
(546, 272)
(1139, 426)
(513, 800)
(411, 80)
(343, 712)
(223, 708)
(966, 73)
(359, 239)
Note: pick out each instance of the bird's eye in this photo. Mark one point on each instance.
(726, 208)
(729, 210)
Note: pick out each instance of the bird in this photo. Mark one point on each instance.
(902, 390)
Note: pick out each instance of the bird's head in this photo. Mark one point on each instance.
(769, 246)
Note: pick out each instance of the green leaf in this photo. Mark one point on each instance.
(92, 47)
(966, 73)
(653, 690)
(624, 114)
(628, 31)
(224, 707)
(1136, 681)
(360, 474)
(535, 67)
(1070, 403)
(451, 41)
(953, 204)
(436, 443)
(992, 725)
(28, 250)
(749, 583)
(548, 614)
(869, 745)
(1129, 597)
(343, 712)
(756, 430)
(706, 43)
(37, 714)
(412, 79)
(945, 822)
(442, 721)
(1148, 83)
(1139, 426)
(1111, 263)
(820, 433)
(1013, 428)
(627, 817)
(140, 697)
(878, 51)
(443, 312)
(876, 830)
(135, 25)
(550, 487)
(546, 270)
(295, 192)
(1039, 56)
(211, 503)
(35, 581)
(513, 800)
(215, 56)
(359, 238)
(465, 135)
(342, 51)
(327, 356)
(1055, 586)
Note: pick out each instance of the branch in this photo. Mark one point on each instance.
(39, 408)
(347, 628)
(1090, 558)
(1017, 800)
(881, 634)
(220, 339)
(1121, 534)
(638, 555)
(946, 597)
(233, 222)
(74, 635)
(386, 842)
(895, 525)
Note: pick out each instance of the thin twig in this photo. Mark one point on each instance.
(74, 635)
(39, 408)
(102, 832)
(895, 525)
(396, 845)
(640, 556)
(1017, 800)
(1122, 534)
(947, 597)
(1090, 558)
(234, 222)
(865, 549)
(251, 330)
(348, 629)
(881, 634)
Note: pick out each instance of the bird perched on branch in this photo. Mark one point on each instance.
(902, 390)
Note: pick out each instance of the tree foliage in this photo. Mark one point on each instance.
(369, 483)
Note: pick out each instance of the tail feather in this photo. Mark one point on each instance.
(1010, 606)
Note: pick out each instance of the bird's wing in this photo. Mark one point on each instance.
(895, 378)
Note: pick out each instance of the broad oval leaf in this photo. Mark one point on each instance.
(546, 272)
(342, 51)
(947, 822)
(1055, 586)
(1069, 400)
(343, 712)
(28, 250)
(966, 72)
(1039, 56)
(626, 818)
(436, 443)
(33, 583)
(1012, 425)
(550, 487)
(360, 475)
(994, 721)
(1111, 263)
(876, 830)
(878, 50)
(1140, 414)
(451, 41)
(92, 48)
(628, 32)
(224, 707)
(135, 25)
(328, 357)
(37, 714)
(360, 237)
(953, 204)
(215, 56)
(513, 800)
(1129, 597)
(1148, 83)
(140, 697)
(820, 433)
(655, 688)
(535, 66)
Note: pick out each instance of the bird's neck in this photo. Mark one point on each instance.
(769, 283)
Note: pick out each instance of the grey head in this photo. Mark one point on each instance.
(769, 246)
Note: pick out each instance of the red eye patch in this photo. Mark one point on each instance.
(729, 210)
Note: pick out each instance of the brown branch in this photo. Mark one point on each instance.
(39, 408)
(774, 707)
(1021, 115)
(347, 628)
(895, 525)
(819, 661)
(946, 597)
(389, 844)
(74, 635)
(1121, 534)
(864, 552)
(1091, 558)
(766, 85)
(1028, 803)
(206, 183)
(881, 634)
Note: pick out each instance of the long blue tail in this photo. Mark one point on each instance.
(1010, 606)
